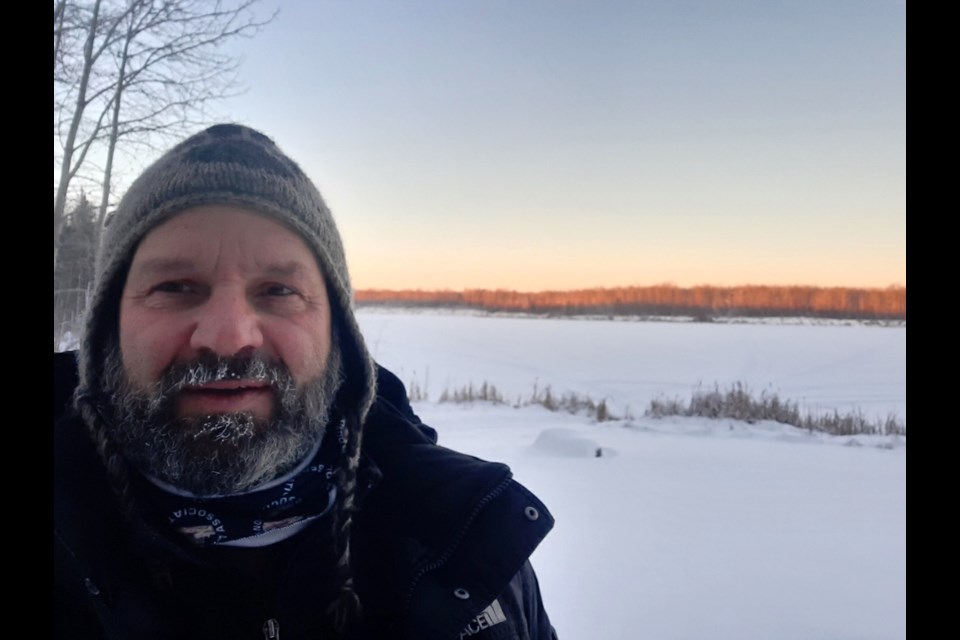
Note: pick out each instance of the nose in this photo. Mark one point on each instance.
(227, 324)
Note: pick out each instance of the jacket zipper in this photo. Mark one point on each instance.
(443, 557)
(271, 629)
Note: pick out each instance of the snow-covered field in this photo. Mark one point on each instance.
(685, 528)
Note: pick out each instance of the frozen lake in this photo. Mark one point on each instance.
(685, 528)
(822, 367)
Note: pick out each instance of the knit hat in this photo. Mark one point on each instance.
(227, 164)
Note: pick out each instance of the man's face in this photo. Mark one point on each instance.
(224, 347)
(227, 282)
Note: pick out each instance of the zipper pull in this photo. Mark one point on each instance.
(271, 629)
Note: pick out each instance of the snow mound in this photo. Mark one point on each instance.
(569, 444)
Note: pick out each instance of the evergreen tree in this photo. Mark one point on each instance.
(73, 272)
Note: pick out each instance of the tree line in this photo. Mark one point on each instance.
(702, 302)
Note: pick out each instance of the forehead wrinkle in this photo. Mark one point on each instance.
(263, 254)
(265, 259)
(284, 269)
(162, 264)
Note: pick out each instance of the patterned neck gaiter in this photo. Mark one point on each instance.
(267, 514)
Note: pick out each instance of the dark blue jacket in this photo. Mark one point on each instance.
(440, 548)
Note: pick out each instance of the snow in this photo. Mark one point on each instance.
(823, 367)
(684, 528)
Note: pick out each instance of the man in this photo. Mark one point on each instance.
(231, 463)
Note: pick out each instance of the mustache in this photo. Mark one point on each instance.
(208, 367)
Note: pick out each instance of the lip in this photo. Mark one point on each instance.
(228, 385)
(228, 396)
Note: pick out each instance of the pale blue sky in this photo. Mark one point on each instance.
(533, 144)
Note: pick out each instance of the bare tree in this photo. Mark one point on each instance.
(74, 96)
(168, 66)
(147, 69)
(128, 74)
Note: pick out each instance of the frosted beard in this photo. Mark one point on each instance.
(225, 453)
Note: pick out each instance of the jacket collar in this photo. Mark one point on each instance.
(440, 524)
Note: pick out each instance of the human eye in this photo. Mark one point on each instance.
(171, 294)
(173, 287)
(277, 297)
(278, 290)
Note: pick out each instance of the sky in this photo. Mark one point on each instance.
(562, 144)
(684, 528)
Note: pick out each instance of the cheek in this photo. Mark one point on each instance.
(148, 345)
(303, 348)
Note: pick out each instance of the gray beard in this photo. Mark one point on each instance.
(226, 453)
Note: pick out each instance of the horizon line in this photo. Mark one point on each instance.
(673, 285)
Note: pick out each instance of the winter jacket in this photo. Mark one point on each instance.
(440, 548)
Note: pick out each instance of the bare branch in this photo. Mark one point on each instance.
(129, 72)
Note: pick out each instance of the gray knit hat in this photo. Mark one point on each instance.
(232, 165)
